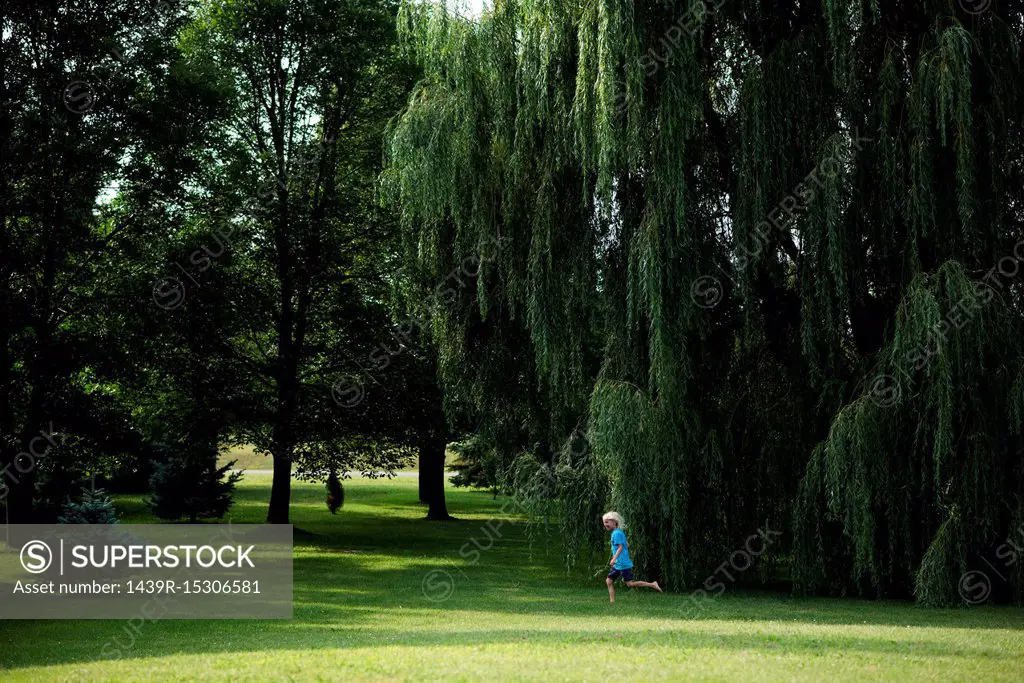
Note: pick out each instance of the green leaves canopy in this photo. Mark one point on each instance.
(762, 216)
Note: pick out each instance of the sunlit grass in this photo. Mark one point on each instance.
(364, 583)
(246, 458)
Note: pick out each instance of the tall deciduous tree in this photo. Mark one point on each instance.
(314, 83)
(790, 214)
(87, 90)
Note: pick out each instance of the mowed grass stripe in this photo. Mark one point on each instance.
(361, 613)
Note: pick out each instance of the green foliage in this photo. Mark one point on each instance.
(477, 464)
(569, 183)
(942, 565)
(297, 300)
(107, 99)
(583, 496)
(186, 483)
(335, 493)
(534, 486)
(844, 195)
(95, 507)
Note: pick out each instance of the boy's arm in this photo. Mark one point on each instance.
(616, 555)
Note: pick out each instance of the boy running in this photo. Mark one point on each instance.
(620, 563)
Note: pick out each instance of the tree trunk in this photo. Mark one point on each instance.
(289, 342)
(25, 466)
(280, 489)
(281, 450)
(24, 471)
(424, 495)
(432, 478)
(19, 495)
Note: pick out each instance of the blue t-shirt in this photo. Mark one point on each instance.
(619, 539)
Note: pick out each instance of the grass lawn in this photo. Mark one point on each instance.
(382, 595)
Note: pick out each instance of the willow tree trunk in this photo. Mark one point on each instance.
(432, 455)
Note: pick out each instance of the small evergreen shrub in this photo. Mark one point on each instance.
(94, 508)
(476, 464)
(186, 483)
(335, 493)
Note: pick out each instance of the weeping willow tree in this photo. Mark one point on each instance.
(748, 248)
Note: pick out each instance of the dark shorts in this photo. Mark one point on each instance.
(626, 574)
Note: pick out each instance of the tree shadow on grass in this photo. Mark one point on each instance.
(523, 588)
(361, 566)
(342, 602)
(180, 638)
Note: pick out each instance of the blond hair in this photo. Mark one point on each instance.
(616, 517)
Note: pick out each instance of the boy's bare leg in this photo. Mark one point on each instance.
(611, 590)
(644, 584)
